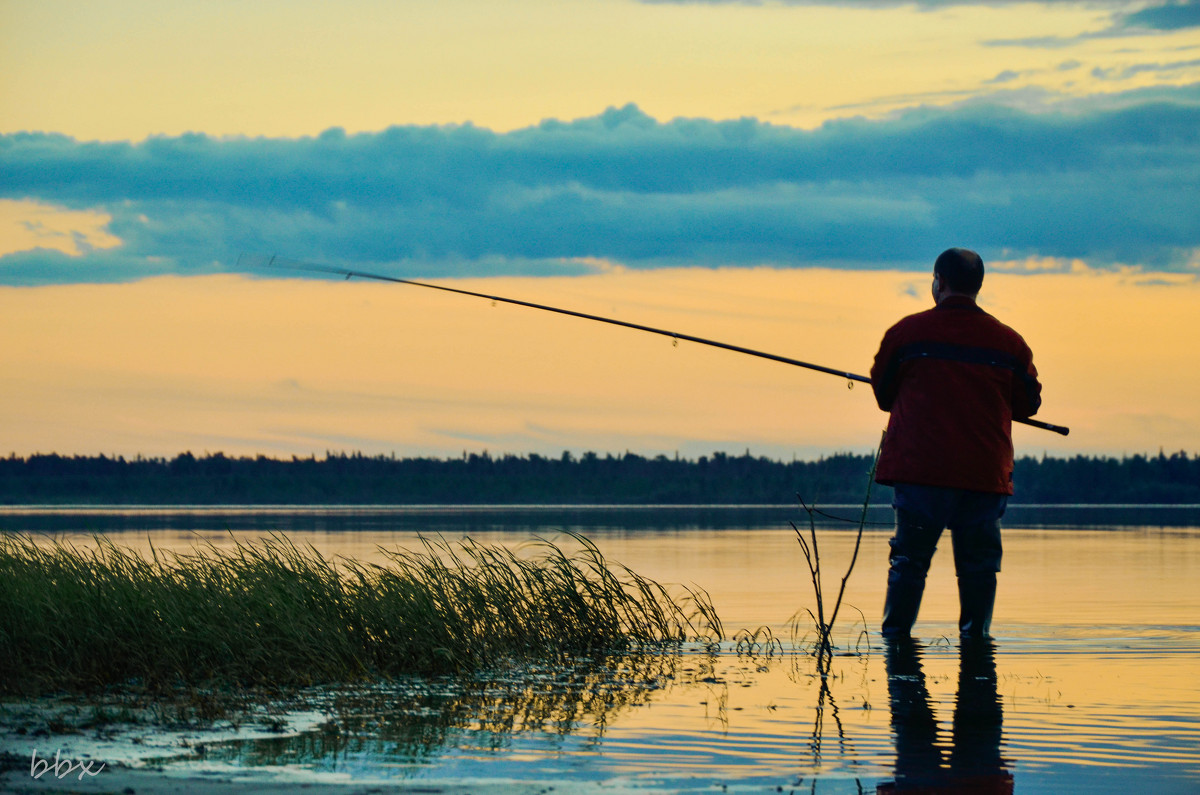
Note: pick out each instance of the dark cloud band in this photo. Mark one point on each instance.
(1112, 185)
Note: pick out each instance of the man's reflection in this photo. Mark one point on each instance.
(924, 764)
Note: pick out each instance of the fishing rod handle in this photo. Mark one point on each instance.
(1045, 426)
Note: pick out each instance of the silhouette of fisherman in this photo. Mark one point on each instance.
(972, 764)
(953, 378)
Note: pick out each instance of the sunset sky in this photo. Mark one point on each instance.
(777, 175)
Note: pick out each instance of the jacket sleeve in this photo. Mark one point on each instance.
(1027, 390)
(885, 372)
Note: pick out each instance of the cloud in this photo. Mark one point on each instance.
(29, 225)
(1113, 183)
(1164, 16)
(924, 4)
(1133, 70)
(1168, 17)
(1007, 76)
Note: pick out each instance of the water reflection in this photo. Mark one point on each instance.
(1097, 670)
(401, 726)
(467, 519)
(925, 762)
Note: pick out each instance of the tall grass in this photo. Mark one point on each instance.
(272, 613)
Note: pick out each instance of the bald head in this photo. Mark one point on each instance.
(960, 270)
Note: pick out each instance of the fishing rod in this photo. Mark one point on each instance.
(275, 262)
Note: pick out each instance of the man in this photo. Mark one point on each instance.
(953, 378)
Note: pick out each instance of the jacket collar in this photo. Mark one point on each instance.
(959, 302)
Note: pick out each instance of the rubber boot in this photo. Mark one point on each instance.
(912, 546)
(976, 597)
(903, 601)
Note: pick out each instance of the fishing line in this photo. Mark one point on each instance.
(251, 260)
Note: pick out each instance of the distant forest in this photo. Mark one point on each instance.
(481, 479)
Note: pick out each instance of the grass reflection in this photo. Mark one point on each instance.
(406, 723)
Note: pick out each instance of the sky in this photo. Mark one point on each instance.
(778, 175)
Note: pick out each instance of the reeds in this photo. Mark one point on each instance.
(271, 613)
(823, 646)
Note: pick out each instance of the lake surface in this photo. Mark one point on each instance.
(1092, 685)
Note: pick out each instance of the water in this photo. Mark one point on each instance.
(1091, 685)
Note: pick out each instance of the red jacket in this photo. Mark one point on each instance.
(953, 378)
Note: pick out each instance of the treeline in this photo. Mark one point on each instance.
(481, 479)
